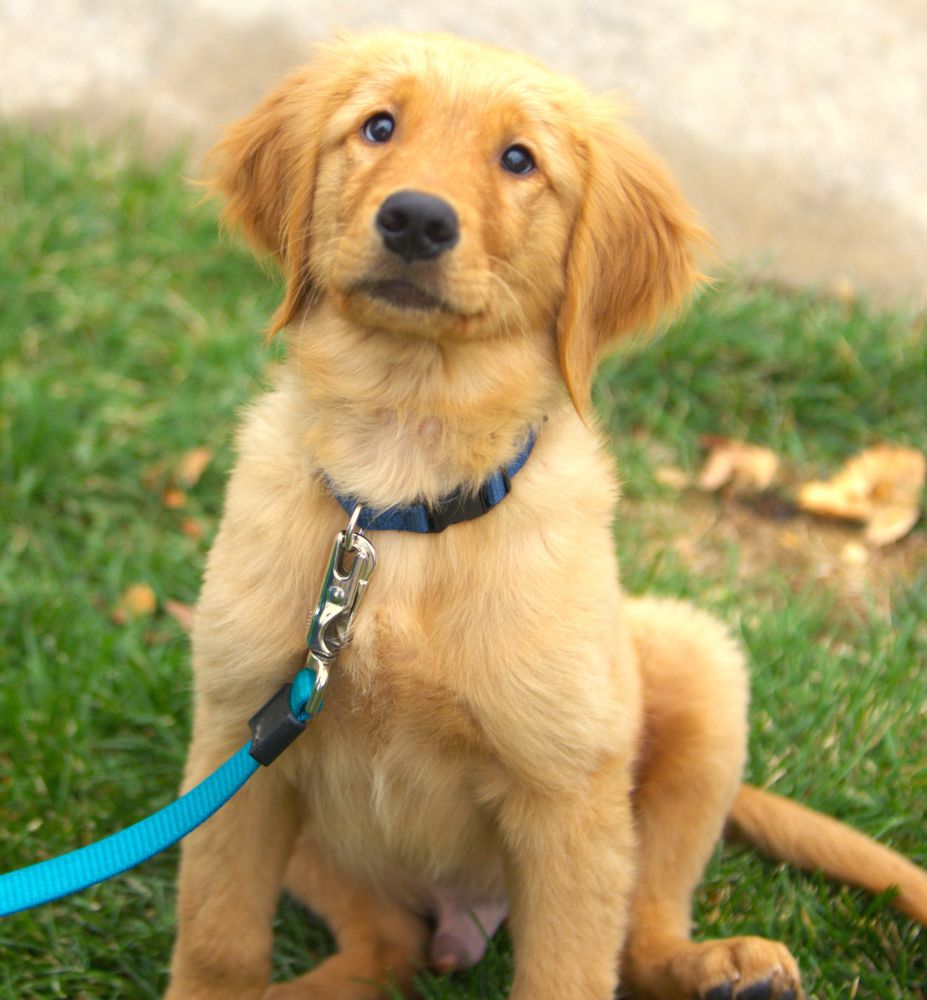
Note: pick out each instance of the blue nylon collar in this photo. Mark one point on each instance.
(451, 509)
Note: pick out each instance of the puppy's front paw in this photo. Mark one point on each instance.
(740, 968)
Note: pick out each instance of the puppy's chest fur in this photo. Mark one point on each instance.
(440, 709)
(399, 772)
(394, 781)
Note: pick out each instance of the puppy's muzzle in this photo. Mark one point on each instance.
(417, 226)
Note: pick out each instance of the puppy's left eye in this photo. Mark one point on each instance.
(379, 127)
(518, 160)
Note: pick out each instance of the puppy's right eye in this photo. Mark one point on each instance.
(518, 160)
(379, 127)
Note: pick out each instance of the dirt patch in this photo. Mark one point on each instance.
(769, 536)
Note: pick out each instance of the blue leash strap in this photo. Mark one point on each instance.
(273, 729)
(48, 880)
(275, 726)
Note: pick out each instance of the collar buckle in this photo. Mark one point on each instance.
(463, 505)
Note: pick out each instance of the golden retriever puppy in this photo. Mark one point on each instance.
(462, 232)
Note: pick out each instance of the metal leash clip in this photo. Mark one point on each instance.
(284, 717)
(352, 561)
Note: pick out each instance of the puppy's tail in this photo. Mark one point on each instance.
(810, 840)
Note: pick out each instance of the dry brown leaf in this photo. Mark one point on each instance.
(192, 465)
(880, 487)
(890, 524)
(672, 476)
(137, 601)
(747, 468)
(174, 499)
(192, 528)
(847, 498)
(181, 613)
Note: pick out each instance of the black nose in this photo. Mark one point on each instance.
(417, 226)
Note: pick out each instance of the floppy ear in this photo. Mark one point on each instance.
(630, 258)
(265, 166)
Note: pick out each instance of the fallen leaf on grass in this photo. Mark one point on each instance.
(175, 477)
(672, 476)
(192, 528)
(181, 613)
(881, 487)
(746, 468)
(192, 466)
(137, 601)
(174, 499)
(890, 524)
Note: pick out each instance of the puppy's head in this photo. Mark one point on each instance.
(445, 189)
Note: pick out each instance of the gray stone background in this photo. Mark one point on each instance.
(797, 127)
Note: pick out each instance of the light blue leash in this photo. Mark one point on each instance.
(274, 727)
(48, 880)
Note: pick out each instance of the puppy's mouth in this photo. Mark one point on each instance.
(402, 295)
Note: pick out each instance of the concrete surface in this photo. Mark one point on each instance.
(798, 129)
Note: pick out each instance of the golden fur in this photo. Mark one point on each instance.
(505, 724)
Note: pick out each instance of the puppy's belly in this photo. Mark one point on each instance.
(404, 817)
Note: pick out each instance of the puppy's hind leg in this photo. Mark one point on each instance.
(695, 733)
(378, 942)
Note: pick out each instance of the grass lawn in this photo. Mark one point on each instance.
(129, 336)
